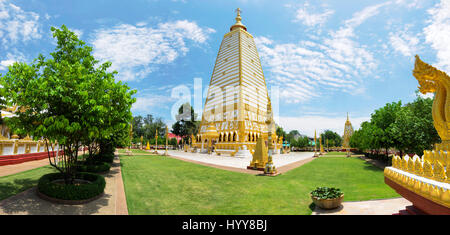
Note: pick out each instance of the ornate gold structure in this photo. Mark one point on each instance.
(433, 80)
(156, 141)
(236, 104)
(348, 132)
(321, 145)
(10, 144)
(263, 155)
(429, 175)
(166, 153)
(260, 156)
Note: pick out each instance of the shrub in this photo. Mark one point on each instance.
(326, 193)
(109, 158)
(93, 167)
(49, 188)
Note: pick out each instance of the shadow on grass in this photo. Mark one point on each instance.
(371, 167)
(312, 206)
(9, 189)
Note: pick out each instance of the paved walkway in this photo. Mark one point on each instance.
(113, 202)
(283, 162)
(25, 166)
(372, 207)
(279, 160)
(17, 168)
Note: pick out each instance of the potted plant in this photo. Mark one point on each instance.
(327, 198)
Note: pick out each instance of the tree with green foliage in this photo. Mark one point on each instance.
(334, 139)
(407, 128)
(186, 124)
(67, 98)
(413, 129)
(280, 132)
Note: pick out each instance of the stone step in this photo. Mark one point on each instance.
(414, 211)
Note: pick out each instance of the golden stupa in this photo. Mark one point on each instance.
(236, 104)
(348, 132)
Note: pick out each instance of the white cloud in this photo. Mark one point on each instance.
(437, 33)
(11, 59)
(308, 124)
(150, 103)
(404, 43)
(336, 63)
(135, 50)
(17, 25)
(428, 95)
(78, 32)
(411, 4)
(306, 16)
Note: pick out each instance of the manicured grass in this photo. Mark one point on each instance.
(133, 151)
(161, 185)
(336, 153)
(13, 184)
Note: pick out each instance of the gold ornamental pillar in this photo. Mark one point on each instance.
(167, 138)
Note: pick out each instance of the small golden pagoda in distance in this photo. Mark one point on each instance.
(348, 132)
(425, 181)
(236, 104)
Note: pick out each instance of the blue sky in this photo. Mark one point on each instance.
(326, 57)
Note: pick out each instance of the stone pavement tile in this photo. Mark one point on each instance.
(372, 207)
(112, 202)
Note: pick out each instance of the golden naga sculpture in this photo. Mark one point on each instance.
(434, 80)
(429, 175)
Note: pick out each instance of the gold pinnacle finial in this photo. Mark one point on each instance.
(238, 12)
(238, 23)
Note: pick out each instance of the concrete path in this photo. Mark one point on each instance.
(17, 168)
(113, 202)
(25, 166)
(283, 162)
(372, 207)
(279, 160)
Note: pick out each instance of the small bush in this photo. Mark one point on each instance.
(109, 158)
(72, 192)
(93, 167)
(326, 193)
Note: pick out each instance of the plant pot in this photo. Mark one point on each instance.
(328, 203)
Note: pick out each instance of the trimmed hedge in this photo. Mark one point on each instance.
(109, 158)
(72, 192)
(93, 167)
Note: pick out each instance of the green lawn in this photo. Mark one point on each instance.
(161, 185)
(13, 184)
(336, 153)
(132, 150)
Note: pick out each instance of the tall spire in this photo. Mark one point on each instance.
(238, 23)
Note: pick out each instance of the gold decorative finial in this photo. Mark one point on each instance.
(238, 23)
